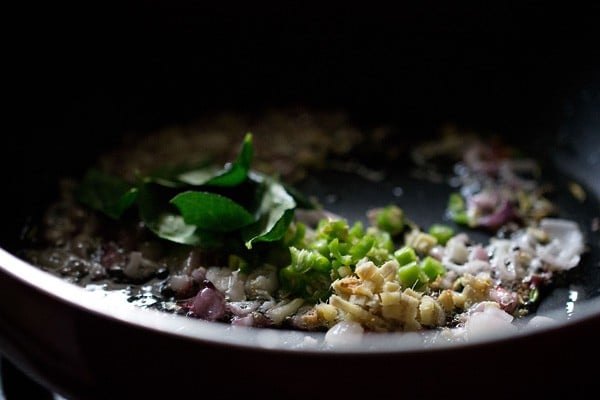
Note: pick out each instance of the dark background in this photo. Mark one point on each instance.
(79, 75)
(96, 69)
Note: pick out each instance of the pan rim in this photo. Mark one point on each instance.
(249, 338)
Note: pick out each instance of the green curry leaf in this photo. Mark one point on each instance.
(274, 214)
(172, 227)
(231, 174)
(211, 211)
(106, 193)
(202, 205)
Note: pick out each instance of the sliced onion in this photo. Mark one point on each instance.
(501, 215)
(566, 244)
(209, 304)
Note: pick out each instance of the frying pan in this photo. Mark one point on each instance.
(84, 82)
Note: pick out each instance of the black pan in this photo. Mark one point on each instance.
(487, 69)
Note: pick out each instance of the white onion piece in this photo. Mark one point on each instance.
(566, 244)
(262, 282)
(180, 283)
(478, 252)
(502, 260)
(472, 267)
(242, 308)
(284, 309)
(139, 267)
(462, 259)
(490, 322)
(457, 251)
(220, 277)
(236, 290)
(344, 333)
(228, 282)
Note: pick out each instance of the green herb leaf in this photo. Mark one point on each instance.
(231, 175)
(457, 209)
(194, 174)
(165, 221)
(160, 218)
(211, 211)
(105, 193)
(199, 176)
(173, 227)
(274, 214)
(234, 204)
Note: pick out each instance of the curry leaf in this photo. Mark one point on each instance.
(274, 214)
(211, 211)
(231, 174)
(106, 193)
(171, 176)
(228, 205)
(199, 176)
(162, 218)
(172, 227)
(270, 231)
